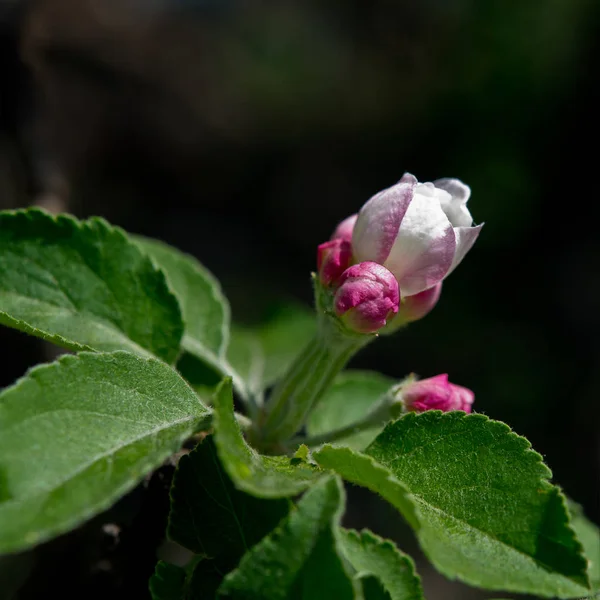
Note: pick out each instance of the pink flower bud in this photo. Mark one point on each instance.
(416, 307)
(333, 258)
(436, 393)
(419, 231)
(367, 297)
(344, 230)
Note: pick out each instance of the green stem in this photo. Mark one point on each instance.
(312, 373)
(383, 412)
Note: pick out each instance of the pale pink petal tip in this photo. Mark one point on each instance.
(436, 393)
(418, 306)
(408, 178)
(379, 220)
(367, 297)
(459, 191)
(344, 230)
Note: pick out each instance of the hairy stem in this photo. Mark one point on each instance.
(312, 373)
(383, 412)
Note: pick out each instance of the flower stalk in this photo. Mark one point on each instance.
(382, 269)
(312, 373)
(384, 411)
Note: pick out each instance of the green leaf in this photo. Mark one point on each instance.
(363, 470)
(168, 582)
(349, 398)
(589, 536)
(485, 510)
(206, 577)
(197, 581)
(262, 354)
(372, 588)
(204, 308)
(301, 558)
(209, 516)
(261, 476)
(246, 355)
(84, 286)
(371, 555)
(79, 433)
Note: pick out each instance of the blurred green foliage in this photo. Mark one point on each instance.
(243, 132)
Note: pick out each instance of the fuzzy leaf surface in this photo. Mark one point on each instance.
(84, 285)
(371, 555)
(485, 510)
(204, 308)
(77, 434)
(350, 397)
(260, 476)
(363, 470)
(301, 559)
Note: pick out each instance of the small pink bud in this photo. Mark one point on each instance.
(436, 393)
(416, 307)
(367, 297)
(344, 230)
(333, 258)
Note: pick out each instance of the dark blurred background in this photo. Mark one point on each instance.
(242, 132)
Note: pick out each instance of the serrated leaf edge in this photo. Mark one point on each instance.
(216, 291)
(38, 213)
(143, 469)
(374, 539)
(252, 454)
(336, 520)
(545, 476)
(409, 512)
(334, 523)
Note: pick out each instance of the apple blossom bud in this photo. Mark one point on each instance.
(344, 230)
(419, 231)
(416, 307)
(367, 297)
(435, 393)
(333, 258)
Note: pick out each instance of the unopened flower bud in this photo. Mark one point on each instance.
(419, 231)
(416, 307)
(367, 297)
(435, 393)
(344, 230)
(333, 258)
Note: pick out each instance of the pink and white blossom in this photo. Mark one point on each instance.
(436, 393)
(367, 297)
(418, 231)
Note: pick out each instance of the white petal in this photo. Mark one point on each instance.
(465, 238)
(378, 222)
(425, 245)
(454, 201)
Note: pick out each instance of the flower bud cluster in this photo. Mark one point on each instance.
(365, 295)
(388, 261)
